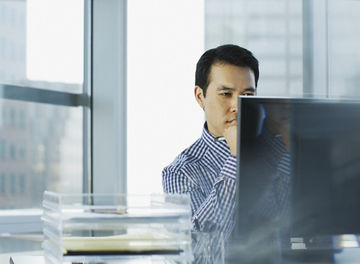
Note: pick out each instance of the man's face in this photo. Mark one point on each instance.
(226, 83)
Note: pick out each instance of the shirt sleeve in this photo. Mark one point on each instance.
(212, 212)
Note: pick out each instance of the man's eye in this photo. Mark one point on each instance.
(226, 94)
(248, 94)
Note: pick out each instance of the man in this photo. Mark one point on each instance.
(207, 169)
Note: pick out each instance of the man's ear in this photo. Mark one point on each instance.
(199, 96)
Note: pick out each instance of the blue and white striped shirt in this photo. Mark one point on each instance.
(207, 171)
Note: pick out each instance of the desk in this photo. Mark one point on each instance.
(28, 255)
(40, 260)
(348, 256)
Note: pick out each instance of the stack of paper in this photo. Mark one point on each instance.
(97, 228)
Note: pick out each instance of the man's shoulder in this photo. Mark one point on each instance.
(191, 156)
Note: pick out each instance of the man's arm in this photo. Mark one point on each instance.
(215, 211)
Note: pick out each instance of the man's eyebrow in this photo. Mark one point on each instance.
(224, 88)
(250, 89)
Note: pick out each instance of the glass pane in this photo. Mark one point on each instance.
(40, 148)
(38, 45)
(344, 52)
(271, 29)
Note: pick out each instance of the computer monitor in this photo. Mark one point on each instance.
(298, 172)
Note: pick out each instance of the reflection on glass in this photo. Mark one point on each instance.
(208, 247)
(40, 149)
(298, 179)
(265, 181)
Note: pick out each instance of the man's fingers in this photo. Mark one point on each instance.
(230, 135)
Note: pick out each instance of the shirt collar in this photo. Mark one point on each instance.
(219, 146)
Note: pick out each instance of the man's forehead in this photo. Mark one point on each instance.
(227, 68)
(227, 76)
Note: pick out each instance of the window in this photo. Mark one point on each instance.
(271, 29)
(44, 110)
(3, 183)
(12, 183)
(296, 41)
(3, 149)
(22, 183)
(22, 119)
(343, 52)
(12, 117)
(51, 151)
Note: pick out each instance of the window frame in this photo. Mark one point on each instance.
(109, 109)
(315, 48)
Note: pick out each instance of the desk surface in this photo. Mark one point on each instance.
(35, 255)
(27, 260)
(347, 256)
(40, 260)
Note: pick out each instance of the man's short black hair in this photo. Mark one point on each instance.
(227, 54)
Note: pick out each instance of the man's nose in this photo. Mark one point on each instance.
(234, 102)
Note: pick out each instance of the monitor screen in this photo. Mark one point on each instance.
(298, 170)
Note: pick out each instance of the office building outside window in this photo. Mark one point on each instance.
(271, 29)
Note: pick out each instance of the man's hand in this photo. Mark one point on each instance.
(230, 135)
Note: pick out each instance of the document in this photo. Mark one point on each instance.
(126, 243)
